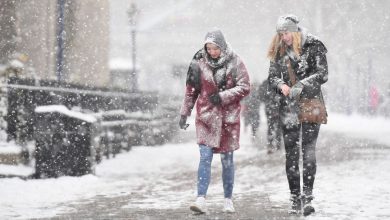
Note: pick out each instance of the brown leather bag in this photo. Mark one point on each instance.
(313, 111)
(310, 110)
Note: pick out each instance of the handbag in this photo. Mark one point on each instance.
(310, 110)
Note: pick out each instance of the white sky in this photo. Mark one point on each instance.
(355, 189)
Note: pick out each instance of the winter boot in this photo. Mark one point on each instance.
(199, 207)
(296, 204)
(307, 207)
(228, 206)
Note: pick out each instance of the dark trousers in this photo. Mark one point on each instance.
(291, 138)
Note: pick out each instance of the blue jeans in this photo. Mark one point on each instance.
(204, 171)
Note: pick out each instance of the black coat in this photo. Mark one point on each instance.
(311, 70)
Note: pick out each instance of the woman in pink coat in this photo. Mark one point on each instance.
(217, 80)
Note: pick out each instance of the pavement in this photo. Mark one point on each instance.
(155, 199)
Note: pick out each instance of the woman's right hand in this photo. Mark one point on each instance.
(285, 89)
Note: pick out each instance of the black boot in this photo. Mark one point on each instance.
(307, 207)
(296, 204)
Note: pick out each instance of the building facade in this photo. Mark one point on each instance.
(62, 39)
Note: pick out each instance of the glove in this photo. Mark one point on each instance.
(215, 99)
(182, 122)
(296, 90)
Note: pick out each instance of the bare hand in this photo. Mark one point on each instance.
(285, 89)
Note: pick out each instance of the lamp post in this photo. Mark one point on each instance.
(132, 13)
(60, 40)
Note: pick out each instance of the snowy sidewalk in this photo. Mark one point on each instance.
(159, 183)
(345, 182)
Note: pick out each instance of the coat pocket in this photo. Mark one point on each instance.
(231, 114)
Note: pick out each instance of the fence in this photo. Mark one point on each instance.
(124, 119)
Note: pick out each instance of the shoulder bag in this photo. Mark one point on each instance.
(310, 110)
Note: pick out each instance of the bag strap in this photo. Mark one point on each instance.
(323, 102)
(291, 73)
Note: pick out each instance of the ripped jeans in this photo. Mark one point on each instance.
(204, 171)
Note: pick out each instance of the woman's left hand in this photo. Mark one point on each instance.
(285, 89)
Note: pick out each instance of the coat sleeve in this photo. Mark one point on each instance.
(190, 97)
(320, 72)
(241, 88)
(192, 86)
(274, 76)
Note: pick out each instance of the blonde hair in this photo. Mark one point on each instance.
(278, 47)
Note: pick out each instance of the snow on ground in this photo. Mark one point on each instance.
(365, 127)
(355, 189)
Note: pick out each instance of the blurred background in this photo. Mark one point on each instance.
(171, 31)
(144, 45)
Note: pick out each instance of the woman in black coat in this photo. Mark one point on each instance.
(306, 55)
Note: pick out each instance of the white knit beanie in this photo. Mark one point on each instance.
(287, 23)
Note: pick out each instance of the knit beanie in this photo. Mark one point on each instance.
(287, 23)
